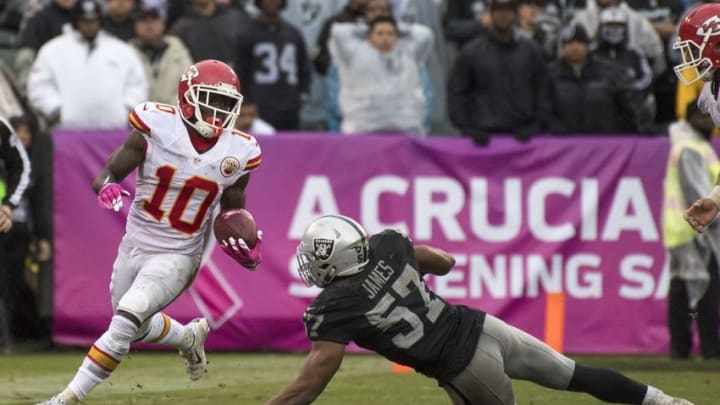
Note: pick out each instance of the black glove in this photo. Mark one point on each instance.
(524, 134)
(479, 137)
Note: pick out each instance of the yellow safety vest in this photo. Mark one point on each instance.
(677, 232)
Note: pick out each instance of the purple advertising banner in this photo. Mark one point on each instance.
(578, 217)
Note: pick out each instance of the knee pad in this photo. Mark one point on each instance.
(136, 303)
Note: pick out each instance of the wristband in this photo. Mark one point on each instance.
(715, 195)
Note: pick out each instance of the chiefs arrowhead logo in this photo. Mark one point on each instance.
(229, 166)
(710, 27)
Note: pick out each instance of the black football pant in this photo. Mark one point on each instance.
(680, 318)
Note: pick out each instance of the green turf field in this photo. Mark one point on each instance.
(251, 378)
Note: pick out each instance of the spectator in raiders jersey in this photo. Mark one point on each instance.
(17, 178)
(209, 29)
(473, 355)
(273, 66)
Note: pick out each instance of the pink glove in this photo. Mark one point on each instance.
(239, 250)
(110, 196)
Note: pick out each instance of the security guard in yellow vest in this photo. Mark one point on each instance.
(694, 289)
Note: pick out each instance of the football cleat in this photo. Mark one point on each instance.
(680, 401)
(192, 348)
(55, 400)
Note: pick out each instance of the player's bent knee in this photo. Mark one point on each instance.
(135, 306)
(130, 317)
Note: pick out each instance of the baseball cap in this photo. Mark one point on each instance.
(152, 9)
(88, 10)
(574, 32)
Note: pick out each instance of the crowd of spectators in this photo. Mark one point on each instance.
(422, 67)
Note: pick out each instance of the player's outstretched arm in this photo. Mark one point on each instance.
(123, 161)
(320, 366)
(433, 260)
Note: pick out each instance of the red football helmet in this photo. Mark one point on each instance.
(699, 43)
(209, 97)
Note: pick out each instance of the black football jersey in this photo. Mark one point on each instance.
(388, 308)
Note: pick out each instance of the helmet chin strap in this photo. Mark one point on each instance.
(202, 129)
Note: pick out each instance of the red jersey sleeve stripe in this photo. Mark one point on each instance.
(137, 123)
(254, 162)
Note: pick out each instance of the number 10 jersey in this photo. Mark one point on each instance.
(177, 187)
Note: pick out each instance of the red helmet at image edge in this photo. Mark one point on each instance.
(209, 97)
(699, 44)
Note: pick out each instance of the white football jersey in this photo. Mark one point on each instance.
(177, 187)
(709, 104)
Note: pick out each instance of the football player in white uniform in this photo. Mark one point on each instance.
(699, 43)
(189, 158)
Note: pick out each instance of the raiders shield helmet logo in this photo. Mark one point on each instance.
(323, 248)
(229, 166)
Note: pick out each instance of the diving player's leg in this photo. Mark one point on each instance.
(483, 381)
(528, 358)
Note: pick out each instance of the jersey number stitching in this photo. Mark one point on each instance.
(165, 175)
(275, 61)
(383, 317)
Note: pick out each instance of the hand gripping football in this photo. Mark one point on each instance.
(235, 223)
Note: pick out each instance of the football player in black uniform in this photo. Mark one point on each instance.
(374, 294)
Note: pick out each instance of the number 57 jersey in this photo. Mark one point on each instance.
(389, 309)
(177, 187)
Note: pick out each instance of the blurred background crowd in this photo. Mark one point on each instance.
(444, 68)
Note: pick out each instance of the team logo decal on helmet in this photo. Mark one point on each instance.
(323, 248)
(191, 73)
(710, 27)
(229, 166)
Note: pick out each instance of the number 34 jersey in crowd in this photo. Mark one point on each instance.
(177, 187)
(389, 309)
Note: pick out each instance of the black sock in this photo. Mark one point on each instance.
(607, 385)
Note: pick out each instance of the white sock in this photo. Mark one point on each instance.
(104, 356)
(164, 330)
(652, 396)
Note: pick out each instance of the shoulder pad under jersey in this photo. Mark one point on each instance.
(252, 152)
(150, 117)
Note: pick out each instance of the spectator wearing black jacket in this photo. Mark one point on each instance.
(17, 178)
(118, 19)
(273, 66)
(465, 20)
(210, 30)
(587, 94)
(497, 79)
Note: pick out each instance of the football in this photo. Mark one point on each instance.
(235, 223)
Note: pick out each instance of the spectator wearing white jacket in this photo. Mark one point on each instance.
(86, 78)
(379, 69)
